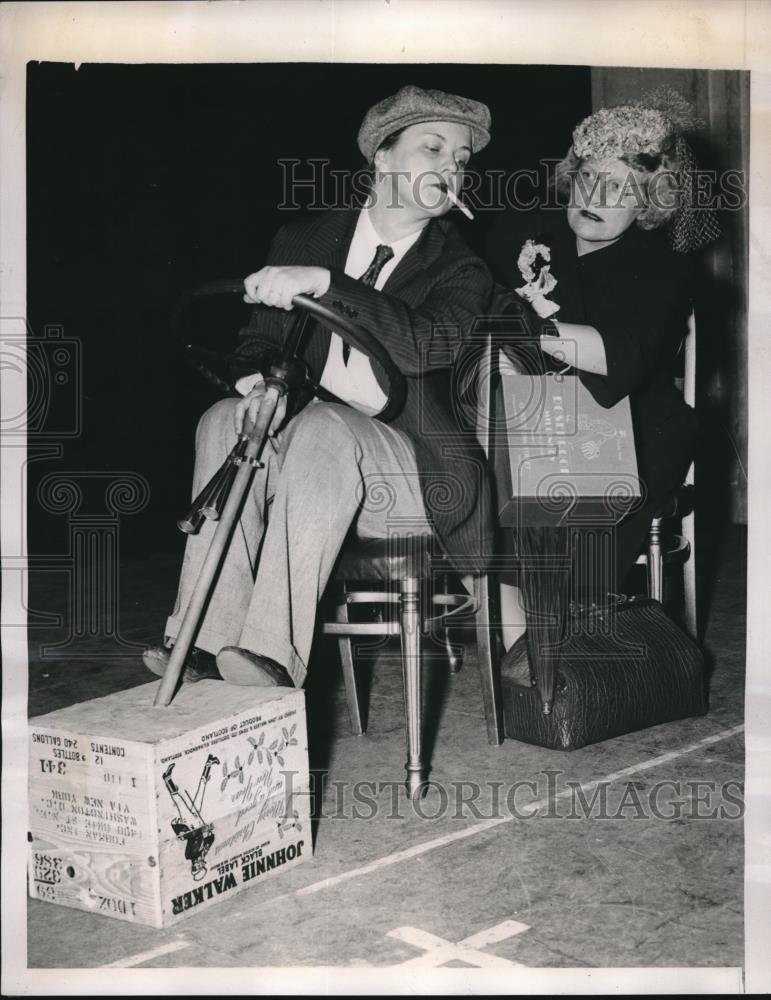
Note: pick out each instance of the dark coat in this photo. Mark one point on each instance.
(423, 316)
(637, 294)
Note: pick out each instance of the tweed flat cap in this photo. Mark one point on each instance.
(412, 105)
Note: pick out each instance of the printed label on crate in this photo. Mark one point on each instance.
(221, 788)
(99, 880)
(185, 813)
(87, 789)
(268, 854)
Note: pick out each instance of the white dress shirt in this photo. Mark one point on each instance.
(355, 382)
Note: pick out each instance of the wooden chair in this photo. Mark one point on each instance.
(683, 547)
(405, 568)
(405, 577)
(412, 577)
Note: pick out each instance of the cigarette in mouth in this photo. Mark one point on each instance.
(457, 202)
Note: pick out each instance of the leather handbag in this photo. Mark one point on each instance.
(622, 668)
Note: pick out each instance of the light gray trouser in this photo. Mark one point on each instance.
(330, 467)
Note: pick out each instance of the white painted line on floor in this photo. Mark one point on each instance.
(146, 956)
(405, 855)
(438, 951)
(500, 932)
(488, 824)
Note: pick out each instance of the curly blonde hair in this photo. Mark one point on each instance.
(658, 174)
(648, 136)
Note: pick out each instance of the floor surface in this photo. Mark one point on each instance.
(450, 884)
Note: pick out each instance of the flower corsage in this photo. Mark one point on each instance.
(534, 263)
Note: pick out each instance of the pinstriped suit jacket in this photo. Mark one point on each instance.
(423, 316)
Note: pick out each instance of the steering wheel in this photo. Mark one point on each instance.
(353, 334)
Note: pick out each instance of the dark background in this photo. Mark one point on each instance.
(145, 181)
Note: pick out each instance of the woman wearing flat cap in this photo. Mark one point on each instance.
(611, 273)
(398, 268)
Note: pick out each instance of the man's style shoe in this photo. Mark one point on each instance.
(242, 666)
(199, 664)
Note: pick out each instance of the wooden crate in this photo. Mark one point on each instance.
(150, 814)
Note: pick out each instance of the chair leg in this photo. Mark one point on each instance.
(454, 652)
(689, 576)
(654, 560)
(486, 651)
(349, 672)
(411, 636)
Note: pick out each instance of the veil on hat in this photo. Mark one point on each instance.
(691, 226)
(655, 126)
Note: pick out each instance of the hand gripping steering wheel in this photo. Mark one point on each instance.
(221, 499)
(287, 367)
(357, 336)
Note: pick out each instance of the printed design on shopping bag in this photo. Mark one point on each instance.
(601, 432)
(193, 829)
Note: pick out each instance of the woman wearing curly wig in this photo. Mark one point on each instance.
(616, 280)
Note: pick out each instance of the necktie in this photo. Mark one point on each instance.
(383, 254)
